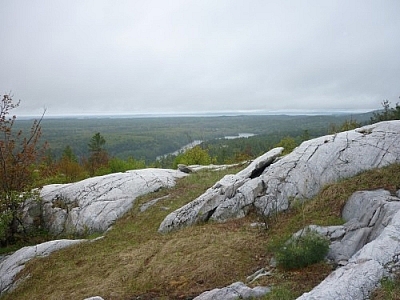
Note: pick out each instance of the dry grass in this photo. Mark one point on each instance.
(390, 289)
(134, 260)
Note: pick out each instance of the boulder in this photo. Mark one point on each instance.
(94, 204)
(184, 168)
(296, 177)
(13, 264)
(367, 245)
(237, 290)
(362, 274)
(367, 213)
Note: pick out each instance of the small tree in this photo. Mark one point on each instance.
(18, 154)
(98, 155)
(68, 154)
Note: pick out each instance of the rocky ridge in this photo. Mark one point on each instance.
(296, 177)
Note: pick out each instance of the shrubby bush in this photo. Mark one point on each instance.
(305, 250)
(288, 143)
(118, 165)
(19, 152)
(194, 156)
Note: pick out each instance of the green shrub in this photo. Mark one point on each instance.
(305, 250)
(194, 156)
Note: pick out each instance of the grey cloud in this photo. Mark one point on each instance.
(180, 56)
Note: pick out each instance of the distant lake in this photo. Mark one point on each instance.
(240, 135)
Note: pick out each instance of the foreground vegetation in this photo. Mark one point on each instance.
(134, 260)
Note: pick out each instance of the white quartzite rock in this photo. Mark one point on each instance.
(14, 263)
(237, 290)
(299, 175)
(365, 269)
(94, 204)
(346, 283)
(369, 247)
(367, 213)
(220, 194)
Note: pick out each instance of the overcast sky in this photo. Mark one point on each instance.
(92, 57)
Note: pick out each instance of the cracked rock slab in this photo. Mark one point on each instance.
(94, 204)
(210, 203)
(370, 247)
(367, 214)
(346, 284)
(357, 279)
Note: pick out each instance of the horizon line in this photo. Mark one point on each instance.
(293, 112)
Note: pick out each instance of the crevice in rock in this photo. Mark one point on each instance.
(312, 154)
(342, 151)
(258, 171)
(209, 214)
(239, 295)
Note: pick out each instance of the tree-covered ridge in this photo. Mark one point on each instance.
(128, 143)
(147, 138)
(79, 148)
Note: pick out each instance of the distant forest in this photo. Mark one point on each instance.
(147, 139)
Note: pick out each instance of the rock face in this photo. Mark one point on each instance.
(13, 264)
(93, 205)
(367, 214)
(237, 290)
(297, 176)
(367, 245)
(219, 196)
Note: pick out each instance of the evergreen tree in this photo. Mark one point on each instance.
(98, 155)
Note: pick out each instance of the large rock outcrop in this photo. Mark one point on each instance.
(204, 207)
(367, 245)
(94, 204)
(297, 176)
